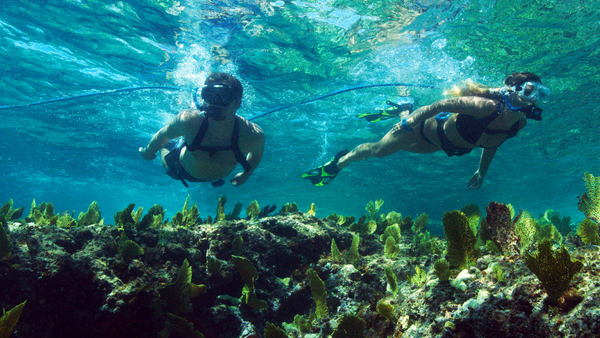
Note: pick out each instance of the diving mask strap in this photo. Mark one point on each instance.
(195, 98)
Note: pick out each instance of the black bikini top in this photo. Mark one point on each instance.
(234, 146)
(471, 129)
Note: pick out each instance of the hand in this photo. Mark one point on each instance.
(239, 179)
(476, 181)
(146, 155)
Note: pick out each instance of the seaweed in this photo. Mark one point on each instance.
(319, 293)
(253, 210)
(42, 214)
(10, 319)
(273, 331)
(419, 278)
(267, 210)
(387, 310)
(588, 231)
(553, 268)
(129, 249)
(188, 216)
(9, 213)
(312, 211)
(336, 255)
(288, 208)
(392, 280)
(176, 296)
(589, 203)
(352, 255)
(91, 216)
(249, 274)
(5, 244)
(372, 208)
(179, 325)
(350, 326)
(391, 250)
(441, 268)
(462, 251)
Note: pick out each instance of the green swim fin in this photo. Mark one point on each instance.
(325, 173)
(391, 111)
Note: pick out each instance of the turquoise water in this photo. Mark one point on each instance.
(73, 152)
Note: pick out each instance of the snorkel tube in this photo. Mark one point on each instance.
(211, 111)
(531, 111)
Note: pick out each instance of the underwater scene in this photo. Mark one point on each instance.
(415, 232)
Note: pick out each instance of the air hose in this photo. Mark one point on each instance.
(131, 89)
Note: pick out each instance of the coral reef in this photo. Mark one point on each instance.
(318, 279)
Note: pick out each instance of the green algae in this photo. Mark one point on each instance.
(387, 310)
(588, 231)
(392, 280)
(319, 293)
(554, 268)
(273, 331)
(249, 274)
(462, 250)
(419, 278)
(352, 255)
(5, 245)
(350, 326)
(441, 268)
(336, 255)
(253, 210)
(129, 249)
(9, 213)
(9, 320)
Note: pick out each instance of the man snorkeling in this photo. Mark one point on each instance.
(219, 138)
(480, 117)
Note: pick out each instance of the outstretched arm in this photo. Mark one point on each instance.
(484, 163)
(174, 129)
(254, 157)
(470, 105)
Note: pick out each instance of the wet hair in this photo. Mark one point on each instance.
(227, 80)
(476, 89)
(518, 78)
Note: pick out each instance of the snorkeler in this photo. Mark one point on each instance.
(480, 117)
(219, 139)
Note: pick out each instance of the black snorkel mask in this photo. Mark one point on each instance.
(531, 111)
(216, 97)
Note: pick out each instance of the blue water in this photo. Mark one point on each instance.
(73, 152)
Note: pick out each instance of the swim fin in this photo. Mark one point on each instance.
(325, 173)
(391, 110)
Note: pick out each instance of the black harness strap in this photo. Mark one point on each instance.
(234, 146)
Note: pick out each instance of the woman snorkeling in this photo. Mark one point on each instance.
(479, 117)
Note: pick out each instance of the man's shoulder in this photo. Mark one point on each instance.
(251, 131)
(250, 126)
(191, 115)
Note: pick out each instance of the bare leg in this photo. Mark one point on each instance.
(391, 143)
